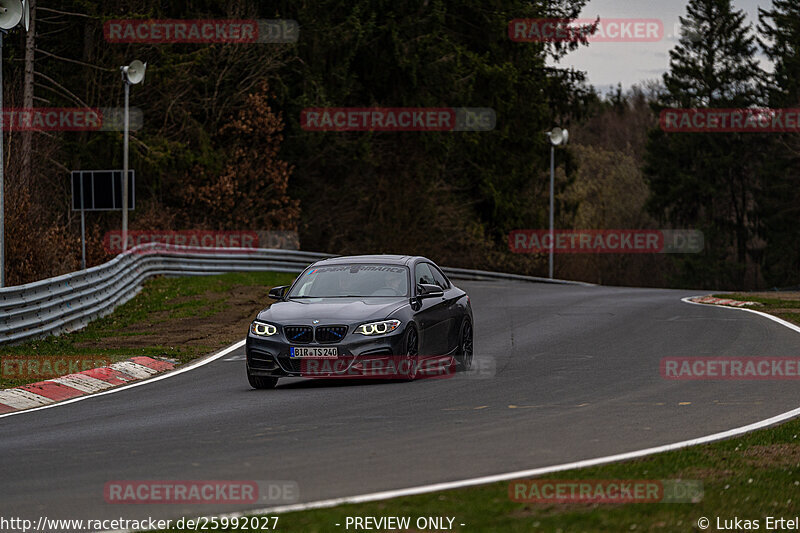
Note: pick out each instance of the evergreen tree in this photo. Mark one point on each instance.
(780, 27)
(714, 64)
(415, 53)
(709, 181)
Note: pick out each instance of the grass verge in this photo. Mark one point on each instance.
(785, 305)
(178, 318)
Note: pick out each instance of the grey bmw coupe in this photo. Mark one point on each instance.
(348, 316)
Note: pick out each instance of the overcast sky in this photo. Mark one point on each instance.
(610, 63)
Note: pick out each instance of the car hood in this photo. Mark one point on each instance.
(331, 310)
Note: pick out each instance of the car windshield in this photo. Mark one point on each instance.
(342, 281)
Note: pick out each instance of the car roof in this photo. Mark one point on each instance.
(386, 259)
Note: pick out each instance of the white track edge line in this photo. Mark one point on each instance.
(145, 381)
(765, 315)
(449, 485)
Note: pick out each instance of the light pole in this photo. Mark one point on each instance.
(11, 13)
(557, 137)
(131, 75)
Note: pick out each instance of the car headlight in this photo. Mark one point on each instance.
(262, 329)
(378, 328)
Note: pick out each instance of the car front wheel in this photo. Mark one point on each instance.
(411, 351)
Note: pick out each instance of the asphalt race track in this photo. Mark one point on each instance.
(576, 377)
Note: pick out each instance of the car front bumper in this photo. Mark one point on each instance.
(270, 357)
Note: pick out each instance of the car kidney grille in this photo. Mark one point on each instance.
(299, 334)
(331, 333)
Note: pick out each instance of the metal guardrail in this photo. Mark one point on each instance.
(69, 302)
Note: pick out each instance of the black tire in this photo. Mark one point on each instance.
(465, 346)
(261, 382)
(411, 351)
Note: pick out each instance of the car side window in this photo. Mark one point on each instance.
(439, 278)
(423, 274)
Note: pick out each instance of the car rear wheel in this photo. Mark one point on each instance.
(411, 351)
(261, 382)
(465, 346)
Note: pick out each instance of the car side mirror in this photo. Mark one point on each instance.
(276, 293)
(425, 290)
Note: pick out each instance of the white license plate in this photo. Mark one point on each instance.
(314, 353)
